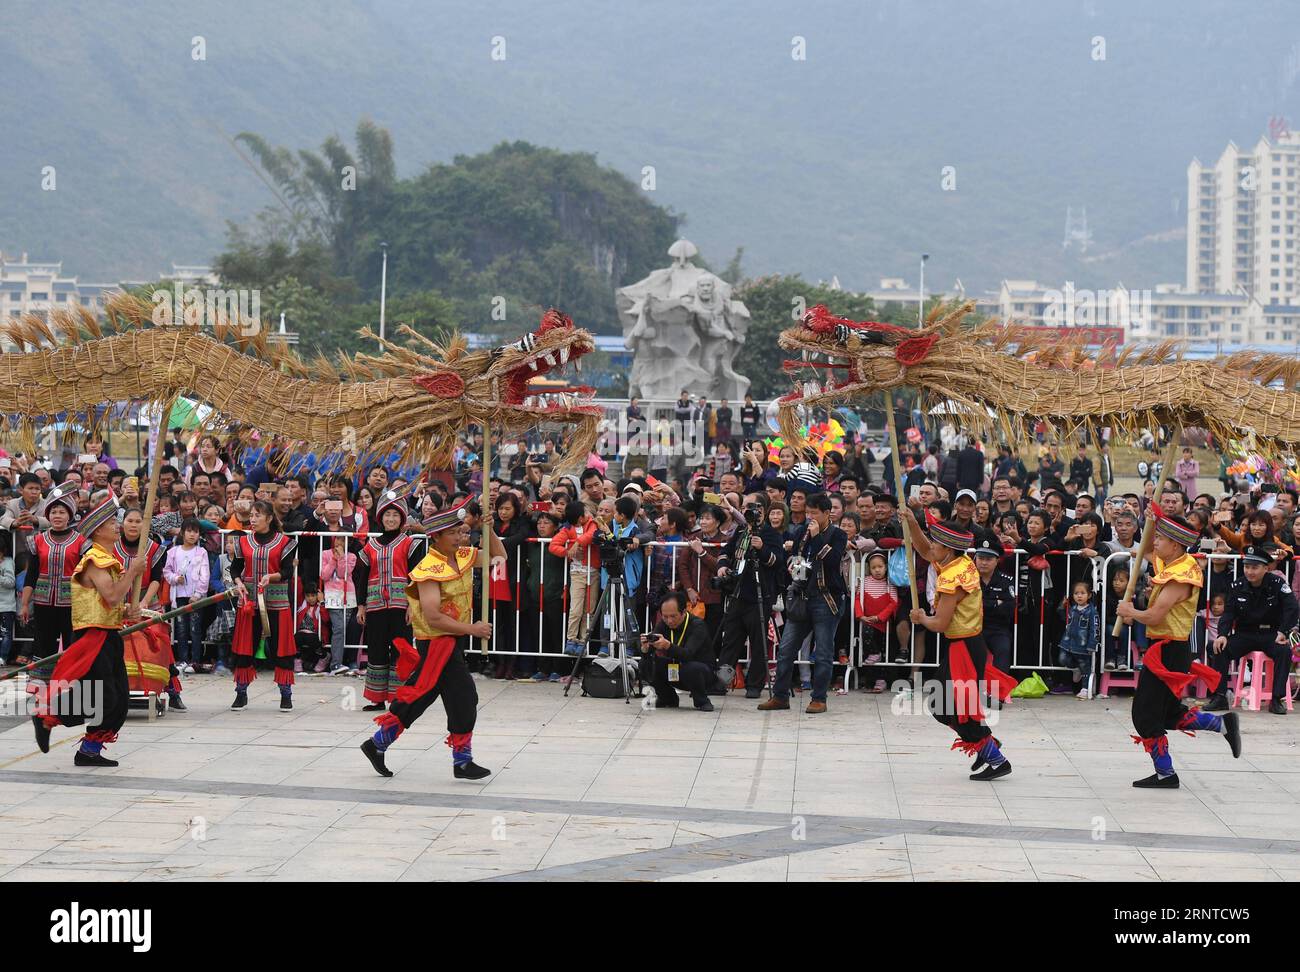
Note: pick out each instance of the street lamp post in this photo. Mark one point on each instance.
(383, 290)
(920, 307)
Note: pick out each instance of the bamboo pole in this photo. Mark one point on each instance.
(485, 530)
(1149, 526)
(898, 492)
(155, 466)
(163, 618)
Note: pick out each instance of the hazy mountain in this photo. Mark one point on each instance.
(831, 165)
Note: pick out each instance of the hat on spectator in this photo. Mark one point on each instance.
(395, 499)
(65, 495)
(966, 492)
(450, 517)
(889, 499)
(100, 515)
(951, 536)
(633, 487)
(1258, 554)
(988, 548)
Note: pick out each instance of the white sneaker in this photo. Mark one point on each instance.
(1084, 695)
(339, 670)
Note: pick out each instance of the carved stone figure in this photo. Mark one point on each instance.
(684, 329)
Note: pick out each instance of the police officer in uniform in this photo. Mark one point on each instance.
(999, 601)
(1260, 613)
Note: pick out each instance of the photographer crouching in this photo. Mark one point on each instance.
(677, 651)
(748, 572)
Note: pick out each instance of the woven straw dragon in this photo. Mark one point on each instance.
(410, 398)
(1006, 377)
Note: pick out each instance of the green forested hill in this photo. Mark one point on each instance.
(830, 165)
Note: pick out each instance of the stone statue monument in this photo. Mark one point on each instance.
(684, 329)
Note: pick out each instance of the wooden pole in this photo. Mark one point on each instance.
(1149, 526)
(155, 466)
(898, 492)
(485, 530)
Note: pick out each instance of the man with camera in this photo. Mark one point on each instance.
(818, 581)
(748, 569)
(677, 651)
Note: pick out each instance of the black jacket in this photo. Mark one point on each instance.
(970, 469)
(999, 603)
(695, 643)
(825, 550)
(1271, 606)
(771, 561)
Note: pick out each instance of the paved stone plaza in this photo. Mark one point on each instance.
(587, 789)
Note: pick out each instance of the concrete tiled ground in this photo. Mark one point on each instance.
(590, 789)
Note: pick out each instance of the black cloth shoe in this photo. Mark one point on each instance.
(1218, 702)
(470, 771)
(1232, 732)
(82, 759)
(241, 701)
(993, 772)
(286, 705)
(1156, 782)
(704, 705)
(1277, 707)
(669, 701)
(177, 704)
(979, 759)
(42, 733)
(374, 707)
(751, 693)
(376, 757)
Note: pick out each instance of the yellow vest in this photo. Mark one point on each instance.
(457, 589)
(959, 576)
(1177, 624)
(89, 609)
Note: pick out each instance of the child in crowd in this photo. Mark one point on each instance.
(1120, 651)
(336, 566)
(186, 570)
(1081, 637)
(875, 605)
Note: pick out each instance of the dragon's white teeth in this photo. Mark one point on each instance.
(564, 355)
(549, 359)
(533, 364)
(577, 365)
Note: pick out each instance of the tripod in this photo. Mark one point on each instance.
(757, 653)
(623, 630)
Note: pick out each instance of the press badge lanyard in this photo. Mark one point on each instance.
(674, 669)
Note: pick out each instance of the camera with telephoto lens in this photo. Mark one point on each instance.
(612, 549)
(754, 515)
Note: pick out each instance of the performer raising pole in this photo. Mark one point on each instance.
(1167, 666)
(440, 595)
(94, 659)
(954, 693)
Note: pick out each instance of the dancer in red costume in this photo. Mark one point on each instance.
(94, 660)
(1167, 666)
(440, 596)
